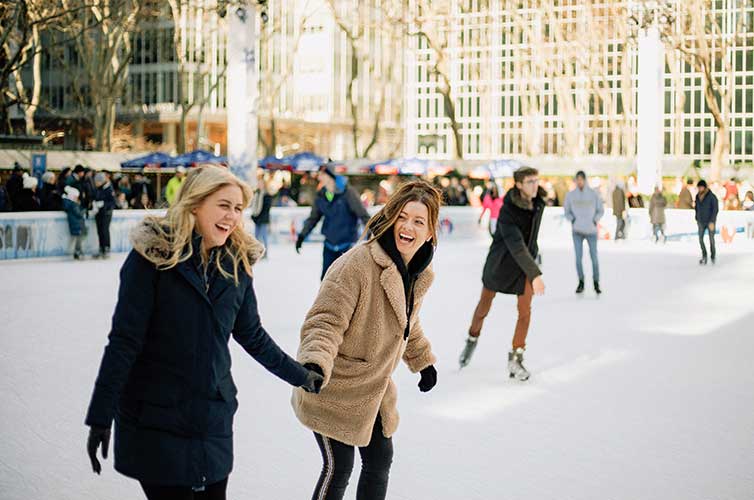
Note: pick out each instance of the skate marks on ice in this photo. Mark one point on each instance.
(474, 399)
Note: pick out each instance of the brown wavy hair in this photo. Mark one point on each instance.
(419, 191)
(166, 241)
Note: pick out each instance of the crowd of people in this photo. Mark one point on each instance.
(173, 407)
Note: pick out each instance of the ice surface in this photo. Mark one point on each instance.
(644, 393)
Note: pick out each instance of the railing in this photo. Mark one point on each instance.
(45, 234)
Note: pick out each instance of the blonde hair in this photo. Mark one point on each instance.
(166, 241)
(419, 191)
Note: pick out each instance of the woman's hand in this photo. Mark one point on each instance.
(429, 379)
(314, 378)
(97, 436)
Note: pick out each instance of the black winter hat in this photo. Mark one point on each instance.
(701, 183)
(329, 169)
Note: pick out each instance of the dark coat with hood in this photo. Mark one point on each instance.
(510, 261)
(342, 215)
(707, 208)
(165, 376)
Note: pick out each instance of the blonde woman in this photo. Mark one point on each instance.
(363, 321)
(165, 375)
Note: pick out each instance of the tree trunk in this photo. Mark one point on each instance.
(37, 85)
(181, 146)
(5, 125)
(450, 112)
(273, 136)
(720, 152)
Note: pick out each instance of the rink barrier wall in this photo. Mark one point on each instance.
(45, 234)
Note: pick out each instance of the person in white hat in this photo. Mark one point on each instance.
(27, 200)
(76, 222)
(174, 185)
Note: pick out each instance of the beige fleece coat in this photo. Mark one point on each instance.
(354, 331)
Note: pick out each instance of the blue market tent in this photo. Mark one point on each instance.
(304, 162)
(150, 160)
(195, 157)
(273, 162)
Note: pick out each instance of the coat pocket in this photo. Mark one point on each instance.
(348, 368)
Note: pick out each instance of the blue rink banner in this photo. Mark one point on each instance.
(45, 234)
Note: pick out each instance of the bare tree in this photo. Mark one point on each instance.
(703, 38)
(273, 78)
(93, 44)
(360, 28)
(21, 22)
(199, 77)
(429, 22)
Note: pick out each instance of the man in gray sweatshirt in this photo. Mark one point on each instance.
(583, 207)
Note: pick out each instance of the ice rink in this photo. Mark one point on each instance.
(644, 393)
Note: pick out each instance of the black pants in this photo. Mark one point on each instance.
(702, 229)
(620, 228)
(328, 257)
(376, 459)
(103, 219)
(214, 491)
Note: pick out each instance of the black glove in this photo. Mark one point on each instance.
(299, 242)
(314, 378)
(429, 379)
(97, 436)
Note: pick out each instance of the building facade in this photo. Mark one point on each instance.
(559, 77)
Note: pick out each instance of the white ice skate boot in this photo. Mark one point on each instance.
(516, 365)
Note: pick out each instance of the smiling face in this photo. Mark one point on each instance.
(411, 230)
(218, 215)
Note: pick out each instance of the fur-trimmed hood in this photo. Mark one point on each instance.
(514, 196)
(148, 242)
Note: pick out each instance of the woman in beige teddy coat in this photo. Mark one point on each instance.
(363, 321)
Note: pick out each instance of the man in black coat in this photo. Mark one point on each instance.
(706, 207)
(511, 266)
(15, 186)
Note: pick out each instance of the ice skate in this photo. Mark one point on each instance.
(580, 288)
(597, 288)
(468, 351)
(516, 367)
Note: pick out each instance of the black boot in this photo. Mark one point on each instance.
(703, 260)
(580, 288)
(597, 287)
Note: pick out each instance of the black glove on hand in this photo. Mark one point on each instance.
(429, 379)
(97, 436)
(314, 379)
(299, 242)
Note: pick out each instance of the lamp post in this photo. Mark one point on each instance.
(242, 93)
(648, 20)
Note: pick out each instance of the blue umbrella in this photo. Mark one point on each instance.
(305, 162)
(274, 162)
(198, 156)
(158, 159)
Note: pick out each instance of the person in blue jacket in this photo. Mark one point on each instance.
(165, 379)
(706, 207)
(342, 210)
(75, 214)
